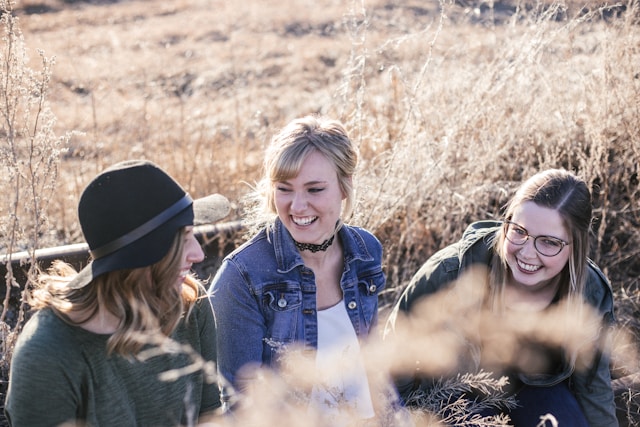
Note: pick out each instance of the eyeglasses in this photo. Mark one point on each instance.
(545, 245)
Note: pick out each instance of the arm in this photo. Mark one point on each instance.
(207, 331)
(44, 386)
(240, 324)
(595, 394)
(438, 271)
(593, 386)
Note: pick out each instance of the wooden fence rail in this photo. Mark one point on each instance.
(217, 241)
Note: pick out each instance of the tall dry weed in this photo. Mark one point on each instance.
(29, 157)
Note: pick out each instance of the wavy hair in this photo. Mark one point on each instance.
(145, 299)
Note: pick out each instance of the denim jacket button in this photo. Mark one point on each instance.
(282, 303)
(352, 305)
(372, 288)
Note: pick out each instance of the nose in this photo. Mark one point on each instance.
(529, 248)
(193, 250)
(299, 202)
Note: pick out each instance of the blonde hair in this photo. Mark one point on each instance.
(145, 299)
(568, 195)
(283, 160)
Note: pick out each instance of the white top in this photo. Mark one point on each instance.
(343, 386)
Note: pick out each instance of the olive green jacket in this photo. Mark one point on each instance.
(591, 387)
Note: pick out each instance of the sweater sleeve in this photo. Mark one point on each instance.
(43, 388)
(208, 349)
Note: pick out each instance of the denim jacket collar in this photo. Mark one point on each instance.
(288, 257)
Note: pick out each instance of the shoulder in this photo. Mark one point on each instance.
(446, 264)
(202, 310)
(43, 329)
(598, 291)
(476, 243)
(199, 326)
(472, 248)
(47, 342)
(248, 266)
(243, 258)
(360, 243)
(480, 231)
(248, 248)
(367, 236)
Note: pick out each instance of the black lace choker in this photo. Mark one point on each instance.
(313, 247)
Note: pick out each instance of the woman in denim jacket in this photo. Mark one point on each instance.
(306, 279)
(531, 265)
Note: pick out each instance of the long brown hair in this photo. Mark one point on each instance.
(145, 299)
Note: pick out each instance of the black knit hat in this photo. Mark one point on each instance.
(130, 214)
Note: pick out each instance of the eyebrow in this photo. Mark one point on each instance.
(306, 184)
(537, 235)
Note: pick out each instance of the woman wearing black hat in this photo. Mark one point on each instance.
(126, 340)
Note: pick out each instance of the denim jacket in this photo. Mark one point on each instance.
(592, 388)
(264, 297)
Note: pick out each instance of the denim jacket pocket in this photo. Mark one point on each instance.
(281, 307)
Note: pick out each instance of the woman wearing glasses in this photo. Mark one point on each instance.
(520, 299)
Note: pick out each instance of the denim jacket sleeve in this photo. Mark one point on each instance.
(239, 321)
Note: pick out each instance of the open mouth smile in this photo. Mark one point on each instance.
(302, 221)
(528, 267)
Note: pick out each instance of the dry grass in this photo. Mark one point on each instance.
(452, 104)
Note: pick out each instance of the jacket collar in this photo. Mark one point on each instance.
(288, 257)
(480, 231)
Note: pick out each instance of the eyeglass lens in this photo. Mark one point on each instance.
(546, 245)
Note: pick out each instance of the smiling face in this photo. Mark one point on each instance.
(309, 205)
(531, 271)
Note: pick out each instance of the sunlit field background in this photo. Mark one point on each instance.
(451, 104)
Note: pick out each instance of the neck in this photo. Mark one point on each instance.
(322, 247)
(103, 322)
(519, 298)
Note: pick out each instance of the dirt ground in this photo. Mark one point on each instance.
(119, 64)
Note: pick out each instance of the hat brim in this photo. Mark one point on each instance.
(206, 210)
(210, 209)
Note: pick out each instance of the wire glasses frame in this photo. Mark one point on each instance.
(548, 246)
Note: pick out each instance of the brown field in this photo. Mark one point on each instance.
(451, 104)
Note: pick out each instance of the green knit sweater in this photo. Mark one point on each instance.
(62, 374)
